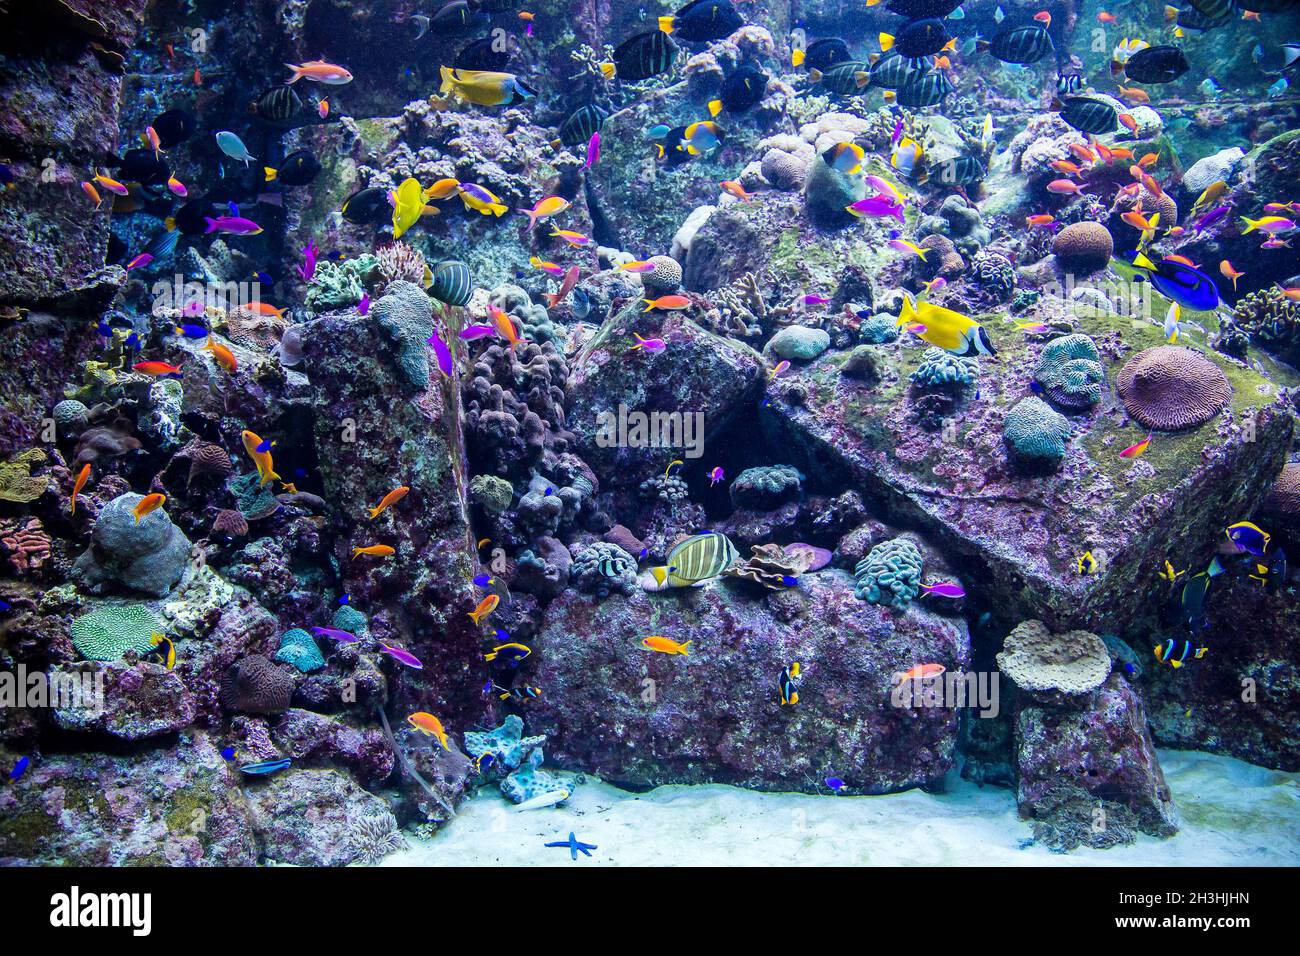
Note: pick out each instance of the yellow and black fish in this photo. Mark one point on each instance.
(789, 684)
(1175, 652)
(1086, 563)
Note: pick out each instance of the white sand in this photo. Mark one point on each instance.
(1232, 813)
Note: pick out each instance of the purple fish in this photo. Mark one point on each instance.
(943, 589)
(593, 149)
(235, 225)
(442, 353)
(364, 305)
(877, 206)
(308, 267)
(898, 133)
(1211, 217)
(401, 656)
(471, 332)
(334, 634)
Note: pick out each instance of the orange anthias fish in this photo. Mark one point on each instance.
(330, 74)
(375, 550)
(1133, 451)
(1042, 219)
(1229, 272)
(1083, 152)
(1183, 260)
(1128, 122)
(261, 308)
(221, 355)
(737, 190)
(667, 302)
(505, 327)
(260, 452)
(156, 368)
(390, 499)
(1149, 160)
(570, 280)
(657, 642)
(90, 190)
(1105, 17)
(1133, 94)
(147, 504)
(919, 672)
(82, 477)
(1067, 167)
(485, 607)
(430, 725)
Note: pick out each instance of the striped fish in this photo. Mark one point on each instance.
(1026, 44)
(612, 567)
(644, 55)
(892, 70)
(1214, 9)
(278, 105)
(700, 558)
(452, 282)
(1193, 19)
(1089, 115)
(925, 89)
(844, 78)
(582, 124)
(962, 171)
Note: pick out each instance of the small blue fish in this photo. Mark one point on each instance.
(345, 599)
(6, 606)
(234, 208)
(835, 783)
(20, 768)
(104, 329)
(133, 342)
(658, 132)
(1278, 88)
(192, 331)
(1248, 537)
(264, 767)
(483, 580)
(265, 446)
(789, 580)
(263, 278)
(484, 760)
(228, 753)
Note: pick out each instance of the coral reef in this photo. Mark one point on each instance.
(1170, 388)
(890, 574)
(146, 554)
(1035, 434)
(1069, 369)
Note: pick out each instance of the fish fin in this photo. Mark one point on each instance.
(211, 223)
(448, 80)
(666, 24)
(886, 42)
(607, 70)
(271, 174)
(685, 650)
(797, 58)
(815, 75)
(297, 75)
(715, 107)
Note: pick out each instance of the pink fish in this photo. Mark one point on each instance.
(650, 345)
(815, 300)
(443, 353)
(308, 267)
(364, 305)
(570, 280)
(1064, 187)
(401, 656)
(139, 262)
(946, 589)
(1133, 451)
(234, 225)
(335, 634)
(716, 475)
(471, 332)
(593, 149)
(877, 207)
(898, 133)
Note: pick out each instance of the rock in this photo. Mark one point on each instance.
(306, 817)
(1211, 169)
(147, 556)
(1090, 776)
(643, 719)
(405, 317)
(828, 192)
(140, 700)
(799, 343)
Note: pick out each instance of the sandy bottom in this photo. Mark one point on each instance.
(1232, 813)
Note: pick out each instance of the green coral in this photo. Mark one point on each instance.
(766, 487)
(347, 618)
(405, 317)
(1035, 434)
(17, 483)
(890, 574)
(108, 633)
(299, 650)
(491, 493)
(940, 369)
(1069, 369)
(253, 499)
(341, 285)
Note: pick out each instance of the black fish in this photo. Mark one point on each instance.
(843, 79)
(368, 206)
(740, 91)
(919, 38)
(496, 6)
(1088, 115)
(893, 70)
(1277, 570)
(671, 150)
(1269, 6)
(483, 54)
(278, 105)
(1026, 44)
(173, 127)
(452, 282)
(921, 9)
(1156, 64)
(702, 20)
(1067, 83)
(582, 124)
(191, 218)
(457, 17)
(924, 89)
(825, 53)
(1192, 19)
(644, 55)
(962, 171)
(143, 167)
(1214, 9)
(298, 169)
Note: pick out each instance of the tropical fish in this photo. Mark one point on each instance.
(484, 608)
(1086, 563)
(318, 71)
(169, 655)
(541, 801)
(697, 559)
(741, 90)
(664, 645)
(402, 656)
(231, 225)
(1228, 271)
(264, 768)
(299, 168)
(734, 188)
(1134, 451)
(844, 157)
(1273, 225)
(919, 672)
(375, 551)
(650, 345)
(485, 87)
(390, 499)
(82, 477)
(157, 369)
(716, 475)
(428, 725)
(947, 589)
(1175, 653)
(572, 238)
(221, 355)
(778, 369)
(553, 299)
(667, 303)
(702, 20)
(260, 452)
(641, 57)
(581, 125)
(234, 147)
(336, 634)
(1019, 45)
(511, 653)
(788, 683)
(1156, 64)
(876, 207)
(408, 206)
(550, 206)
(1248, 537)
(1182, 283)
(945, 328)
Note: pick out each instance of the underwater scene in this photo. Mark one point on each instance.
(589, 433)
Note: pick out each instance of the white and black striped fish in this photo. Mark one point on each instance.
(452, 282)
(644, 55)
(1089, 115)
(843, 79)
(1024, 44)
(893, 70)
(925, 89)
(582, 124)
(278, 105)
(700, 558)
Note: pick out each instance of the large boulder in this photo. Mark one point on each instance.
(642, 719)
(148, 555)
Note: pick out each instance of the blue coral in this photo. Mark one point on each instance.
(531, 780)
(298, 649)
(1069, 369)
(347, 618)
(507, 743)
(767, 487)
(940, 369)
(879, 329)
(1035, 434)
(890, 574)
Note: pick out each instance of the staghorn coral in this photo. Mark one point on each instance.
(774, 567)
(940, 370)
(1169, 388)
(1069, 369)
(890, 574)
(1083, 247)
(1075, 662)
(254, 685)
(298, 649)
(107, 633)
(1035, 434)
(602, 568)
(26, 544)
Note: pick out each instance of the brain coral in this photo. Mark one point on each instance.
(1035, 434)
(1069, 369)
(767, 487)
(1283, 500)
(1038, 660)
(666, 275)
(1169, 388)
(108, 633)
(254, 685)
(1085, 246)
(889, 574)
(299, 650)
(940, 369)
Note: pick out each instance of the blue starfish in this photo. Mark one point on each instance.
(574, 845)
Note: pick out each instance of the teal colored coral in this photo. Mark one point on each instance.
(507, 743)
(347, 618)
(298, 649)
(766, 487)
(108, 633)
(253, 499)
(940, 369)
(532, 781)
(878, 330)
(1035, 434)
(1069, 369)
(405, 316)
(889, 574)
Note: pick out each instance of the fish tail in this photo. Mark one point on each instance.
(607, 70)
(886, 42)
(448, 80)
(297, 75)
(1251, 224)
(374, 512)
(649, 304)
(271, 174)
(684, 649)
(211, 223)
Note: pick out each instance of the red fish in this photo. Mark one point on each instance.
(1133, 451)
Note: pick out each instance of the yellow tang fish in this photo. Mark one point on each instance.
(944, 328)
(408, 206)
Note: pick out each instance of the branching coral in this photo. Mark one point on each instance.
(1271, 320)
(25, 544)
